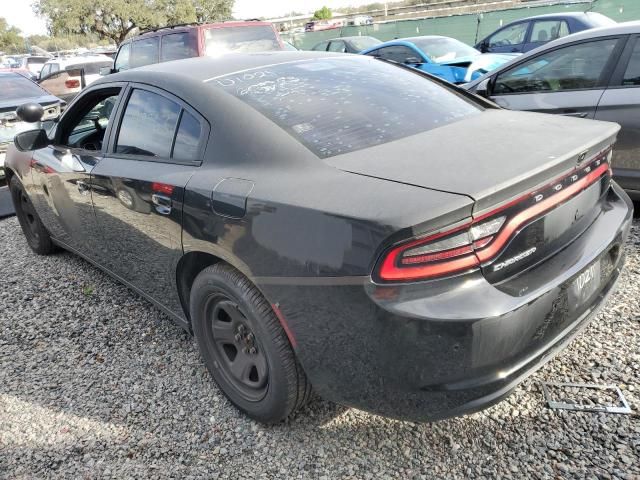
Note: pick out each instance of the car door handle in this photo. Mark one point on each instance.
(162, 203)
(576, 114)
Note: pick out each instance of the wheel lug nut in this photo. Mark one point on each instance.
(253, 350)
(238, 337)
(250, 337)
(245, 350)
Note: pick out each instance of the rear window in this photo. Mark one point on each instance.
(259, 38)
(339, 105)
(14, 87)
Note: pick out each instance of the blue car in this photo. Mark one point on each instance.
(444, 57)
(529, 33)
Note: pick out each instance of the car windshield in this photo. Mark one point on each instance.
(443, 49)
(259, 38)
(362, 43)
(326, 106)
(14, 87)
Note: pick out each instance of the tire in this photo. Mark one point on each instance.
(34, 231)
(244, 346)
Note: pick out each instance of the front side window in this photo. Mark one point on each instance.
(122, 60)
(148, 125)
(259, 38)
(177, 46)
(548, 30)
(575, 67)
(337, 46)
(144, 52)
(324, 104)
(632, 74)
(321, 47)
(513, 35)
(89, 120)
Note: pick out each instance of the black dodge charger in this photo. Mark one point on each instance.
(336, 222)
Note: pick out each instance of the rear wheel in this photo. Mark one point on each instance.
(244, 346)
(34, 231)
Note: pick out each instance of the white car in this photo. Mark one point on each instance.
(65, 77)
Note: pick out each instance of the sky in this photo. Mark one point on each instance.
(19, 13)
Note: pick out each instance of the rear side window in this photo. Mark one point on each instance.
(338, 46)
(632, 75)
(144, 52)
(187, 138)
(177, 46)
(575, 67)
(325, 104)
(259, 38)
(148, 125)
(396, 53)
(122, 60)
(545, 31)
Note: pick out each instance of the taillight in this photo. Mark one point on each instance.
(72, 83)
(162, 188)
(477, 241)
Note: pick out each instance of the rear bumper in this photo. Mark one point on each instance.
(432, 350)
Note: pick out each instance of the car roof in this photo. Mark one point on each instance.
(186, 28)
(204, 68)
(80, 59)
(579, 15)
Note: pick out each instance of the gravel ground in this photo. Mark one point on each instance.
(97, 383)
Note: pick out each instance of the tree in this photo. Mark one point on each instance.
(115, 19)
(323, 14)
(10, 39)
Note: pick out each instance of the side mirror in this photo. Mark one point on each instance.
(30, 112)
(482, 88)
(484, 46)
(413, 61)
(31, 140)
(106, 71)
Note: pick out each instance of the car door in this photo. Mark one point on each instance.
(61, 171)
(567, 80)
(510, 39)
(139, 187)
(620, 103)
(543, 31)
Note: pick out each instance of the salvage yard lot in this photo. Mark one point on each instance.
(97, 383)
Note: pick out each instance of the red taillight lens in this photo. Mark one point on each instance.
(72, 83)
(479, 240)
(162, 188)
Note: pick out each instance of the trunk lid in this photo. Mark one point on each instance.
(492, 157)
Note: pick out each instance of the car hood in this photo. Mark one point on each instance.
(490, 157)
(480, 64)
(10, 105)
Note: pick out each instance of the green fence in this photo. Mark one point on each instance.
(468, 28)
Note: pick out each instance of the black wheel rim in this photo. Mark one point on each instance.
(27, 213)
(238, 354)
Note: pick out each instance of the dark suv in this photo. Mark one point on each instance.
(198, 40)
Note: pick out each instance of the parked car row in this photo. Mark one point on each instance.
(594, 74)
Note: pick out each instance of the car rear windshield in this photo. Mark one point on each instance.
(14, 87)
(258, 38)
(343, 104)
